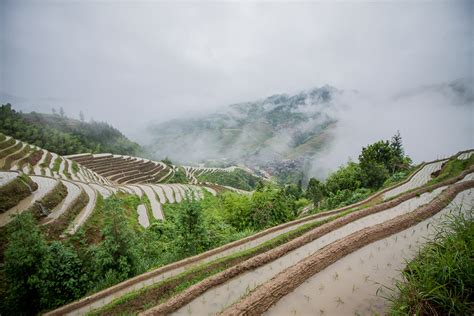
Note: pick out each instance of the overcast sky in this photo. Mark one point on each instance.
(129, 63)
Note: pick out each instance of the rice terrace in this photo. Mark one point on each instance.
(152, 164)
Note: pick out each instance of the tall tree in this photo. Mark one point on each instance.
(25, 260)
(193, 236)
(116, 257)
(315, 191)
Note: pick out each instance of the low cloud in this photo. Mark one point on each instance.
(434, 121)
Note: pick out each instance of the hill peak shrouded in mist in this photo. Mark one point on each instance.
(276, 129)
(316, 130)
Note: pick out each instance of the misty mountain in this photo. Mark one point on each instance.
(278, 128)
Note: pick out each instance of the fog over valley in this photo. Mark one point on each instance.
(244, 157)
(182, 79)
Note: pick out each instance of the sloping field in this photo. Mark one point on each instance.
(422, 177)
(292, 278)
(349, 285)
(248, 276)
(214, 294)
(81, 184)
(123, 169)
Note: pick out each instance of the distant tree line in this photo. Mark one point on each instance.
(64, 136)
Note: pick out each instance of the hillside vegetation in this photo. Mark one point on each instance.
(272, 130)
(64, 135)
(102, 255)
(440, 281)
(237, 178)
(380, 164)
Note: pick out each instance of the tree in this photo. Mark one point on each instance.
(315, 191)
(345, 178)
(81, 116)
(61, 112)
(376, 163)
(54, 111)
(192, 232)
(116, 258)
(397, 146)
(64, 279)
(26, 259)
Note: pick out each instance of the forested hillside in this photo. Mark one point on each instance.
(270, 133)
(63, 135)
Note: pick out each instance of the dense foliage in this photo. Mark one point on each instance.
(380, 164)
(63, 135)
(179, 176)
(113, 247)
(440, 281)
(237, 178)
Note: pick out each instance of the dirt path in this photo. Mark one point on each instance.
(284, 283)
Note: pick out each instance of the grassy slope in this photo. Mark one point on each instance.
(238, 178)
(440, 281)
(15, 191)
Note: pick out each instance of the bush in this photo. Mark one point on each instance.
(440, 281)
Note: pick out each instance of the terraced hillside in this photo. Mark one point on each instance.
(125, 169)
(64, 190)
(129, 170)
(303, 266)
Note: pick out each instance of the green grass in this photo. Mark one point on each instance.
(134, 302)
(75, 167)
(15, 191)
(452, 168)
(238, 178)
(57, 164)
(149, 212)
(43, 207)
(47, 160)
(11, 150)
(24, 152)
(94, 224)
(58, 226)
(5, 144)
(440, 281)
(179, 176)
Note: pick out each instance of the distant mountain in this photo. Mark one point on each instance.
(278, 129)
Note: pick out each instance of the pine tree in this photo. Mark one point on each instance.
(397, 145)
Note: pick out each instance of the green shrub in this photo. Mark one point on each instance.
(440, 281)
